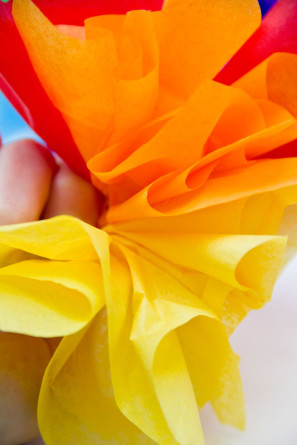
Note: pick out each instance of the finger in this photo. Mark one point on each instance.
(37, 441)
(23, 360)
(26, 170)
(71, 195)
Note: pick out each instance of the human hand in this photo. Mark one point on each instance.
(33, 185)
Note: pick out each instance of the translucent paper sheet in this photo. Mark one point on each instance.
(189, 242)
(171, 299)
(92, 95)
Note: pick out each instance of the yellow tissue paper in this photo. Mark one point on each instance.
(192, 236)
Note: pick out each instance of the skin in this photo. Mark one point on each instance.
(52, 190)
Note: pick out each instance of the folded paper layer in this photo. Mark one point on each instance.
(70, 69)
(170, 303)
(26, 93)
(196, 182)
(157, 138)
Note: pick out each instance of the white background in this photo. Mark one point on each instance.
(266, 341)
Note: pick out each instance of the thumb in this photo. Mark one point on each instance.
(23, 360)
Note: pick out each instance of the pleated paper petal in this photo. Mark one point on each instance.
(76, 402)
(53, 298)
(89, 68)
(159, 293)
(26, 93)
(197, 177)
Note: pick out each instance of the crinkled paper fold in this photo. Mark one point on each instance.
(171, 298)
(200, 201)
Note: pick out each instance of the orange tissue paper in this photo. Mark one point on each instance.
(199, 172)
